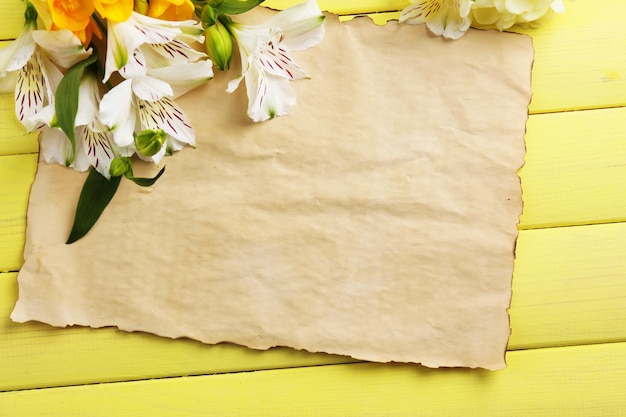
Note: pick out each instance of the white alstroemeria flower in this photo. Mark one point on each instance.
(266, 57)
(447, 18)
(139, 104)
(94, 143)
(28, 64)
(503, 14)
(143, 46)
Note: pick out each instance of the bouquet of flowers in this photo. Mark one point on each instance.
(99, 78)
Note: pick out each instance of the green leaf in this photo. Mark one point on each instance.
(145, 182)
(66, 100)
(237, 6)
(96, 194)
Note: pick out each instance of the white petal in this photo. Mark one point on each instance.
(98, 149)
(55, 146)
(118, 114)
(151, 89)
(233, 84)
(43, 117)
(62, 46)
(159, 31)
(300, 24)
(122, 39)
(420, 12)
(156, 158)
(184, 77)
(30, 92)
(449, 23)
(275, 59)
(165, 114)
(268, 96)
(170, 53)
(88, 101)
(81, 161)
(17, 53)
(135, 66)
(558, 6)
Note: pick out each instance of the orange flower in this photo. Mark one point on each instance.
(171, 9)
(71, 14)
(90, 30)
(115, 10)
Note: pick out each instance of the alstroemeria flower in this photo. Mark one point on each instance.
(266, 57)
(136, 105)
(94, 143)
(171, 9)
(29, 64)
(502, 14)
(447, 18)
(142, 43)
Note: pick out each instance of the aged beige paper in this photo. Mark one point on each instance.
(377, 220)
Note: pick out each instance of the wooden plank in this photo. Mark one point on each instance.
(575, 171)
(345, 7)
(568, 288)
(572, 381)
(12, 17)
(17, 173)
(13, 136)
(580, 58)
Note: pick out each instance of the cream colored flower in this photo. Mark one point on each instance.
(447, 18)
(502, 14)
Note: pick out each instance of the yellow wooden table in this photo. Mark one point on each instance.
(567, 352)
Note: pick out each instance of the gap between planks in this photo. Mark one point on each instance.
(580, 380)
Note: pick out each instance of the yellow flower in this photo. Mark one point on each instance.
(43, 12)
(115, 10)
(71, 14)
(171, 9)
(86, 34)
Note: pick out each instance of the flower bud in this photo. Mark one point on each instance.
(119, 166)
(149, 142)
(209, 15)
(219, 45)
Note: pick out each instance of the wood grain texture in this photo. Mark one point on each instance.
(345, 7)
(568, 286)
(571, 381)
(575, 170)
(13, 136)
(580, 58)
(17, 173)
(12, 18)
